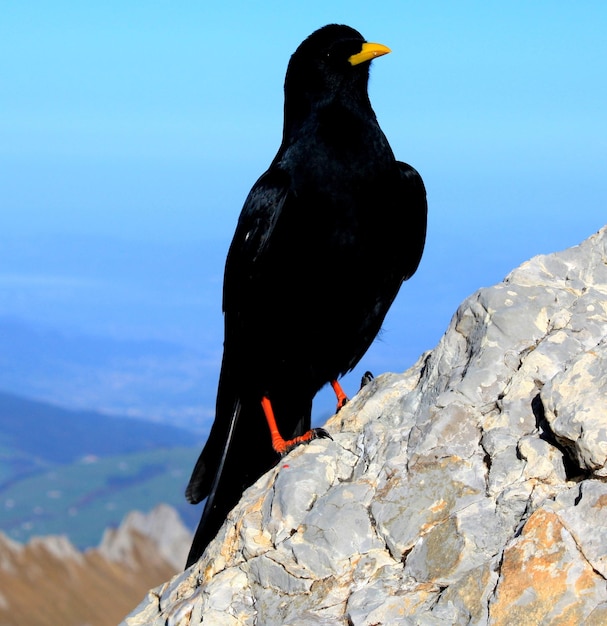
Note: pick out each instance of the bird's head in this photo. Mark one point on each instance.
(333, 62)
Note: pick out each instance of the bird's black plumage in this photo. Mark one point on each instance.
(325, 239)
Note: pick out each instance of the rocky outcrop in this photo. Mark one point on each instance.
(130, 544)
(49, 582)
(468, 490)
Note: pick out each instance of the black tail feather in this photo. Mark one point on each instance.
(208, 526)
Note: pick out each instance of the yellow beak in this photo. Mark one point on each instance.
(368, 52)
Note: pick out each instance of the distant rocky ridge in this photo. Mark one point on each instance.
(49, 582)
(468, 490)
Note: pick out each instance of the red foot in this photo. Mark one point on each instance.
(280, 445)
(342, 398)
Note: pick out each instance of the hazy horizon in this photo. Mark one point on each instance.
(131, 134)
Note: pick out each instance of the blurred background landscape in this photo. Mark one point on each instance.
(130, 135)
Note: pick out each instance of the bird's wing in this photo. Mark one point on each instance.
(417, 217)
(259, 216)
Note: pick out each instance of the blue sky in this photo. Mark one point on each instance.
(148, 122)
(152, 119)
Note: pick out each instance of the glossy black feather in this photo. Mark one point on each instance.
(324, 241)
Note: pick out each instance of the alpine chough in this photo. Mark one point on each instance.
(325, 238)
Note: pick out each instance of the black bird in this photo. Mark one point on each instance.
(324, 241)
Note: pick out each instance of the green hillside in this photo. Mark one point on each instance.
(64, 472)
(48, 433)
(81, 499)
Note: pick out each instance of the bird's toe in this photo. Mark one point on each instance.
(367, 377)
(321, 433)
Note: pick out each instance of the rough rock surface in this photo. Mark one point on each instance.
(48, 582)
(468, 490)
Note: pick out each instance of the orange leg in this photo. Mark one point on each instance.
(342, 398)
(280, 445)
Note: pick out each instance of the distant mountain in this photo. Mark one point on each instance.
(98, 586)
(51, 434)
(79, 472)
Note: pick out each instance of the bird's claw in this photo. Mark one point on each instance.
(367, 377)
(313, 433)
(342, 403)
(321, 433)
